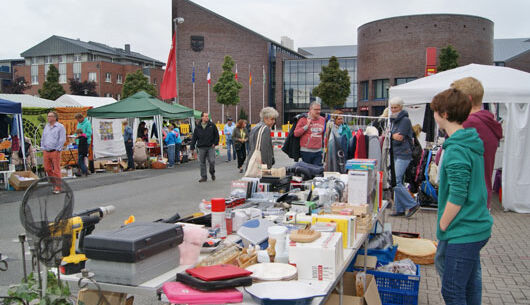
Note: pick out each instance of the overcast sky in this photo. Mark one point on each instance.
(146, 25)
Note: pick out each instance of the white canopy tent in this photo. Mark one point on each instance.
(85, 101)
(506, 86)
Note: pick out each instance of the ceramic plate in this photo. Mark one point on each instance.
(293, 292)
(272, 271)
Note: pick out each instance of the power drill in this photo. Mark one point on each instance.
(79, 226)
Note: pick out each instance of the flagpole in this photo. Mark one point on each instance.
(194, 86)
(263, 87)
(249, 96)
(209, 90)
(237, 113)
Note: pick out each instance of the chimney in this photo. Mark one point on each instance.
(128, 48)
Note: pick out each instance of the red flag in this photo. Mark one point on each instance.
(168, 88)
(236, 73)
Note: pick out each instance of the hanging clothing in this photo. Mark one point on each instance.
(374, 150)
(336, 157)
(360, 152)
(429, 125)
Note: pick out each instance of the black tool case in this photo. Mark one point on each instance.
(213, 285)
(133, 242)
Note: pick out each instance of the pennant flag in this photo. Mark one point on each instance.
(250, 78)
(193, 75)
(208, 77)
(236, 74)
(168, 88)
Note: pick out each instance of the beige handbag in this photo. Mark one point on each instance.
(254, 164)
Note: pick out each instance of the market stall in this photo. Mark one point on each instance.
(9, 107)
(139, 105)
(505, 86)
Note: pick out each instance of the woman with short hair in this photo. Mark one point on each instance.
(240, 138)
(268, 117)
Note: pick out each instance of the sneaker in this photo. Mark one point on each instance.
(397, 214)
(203, 180)
(56, 192)
(170, 166)
(213, 177)
(413, 210)
(241, 170)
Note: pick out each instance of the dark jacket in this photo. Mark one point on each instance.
(205, 137)
(239, 140)
(82, 147)
(291, 146)
(401, 124)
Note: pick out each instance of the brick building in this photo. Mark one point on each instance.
(513, 53)
(392, 51)
(7, 68)
(206, 37)
(91, 61)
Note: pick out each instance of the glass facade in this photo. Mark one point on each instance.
(302, 75)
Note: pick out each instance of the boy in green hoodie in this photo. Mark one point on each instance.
(464, 222)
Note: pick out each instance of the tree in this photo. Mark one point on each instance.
(82, 88)
(18, 86)
(51, 89)
(448, 58)
(227, 88)
(334, 87)
(136, 82)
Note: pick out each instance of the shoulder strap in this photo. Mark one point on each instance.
(260, 134)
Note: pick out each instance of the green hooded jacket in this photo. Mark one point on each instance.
(87, 129)
(462, 183)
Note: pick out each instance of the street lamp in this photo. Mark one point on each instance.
(176, 21)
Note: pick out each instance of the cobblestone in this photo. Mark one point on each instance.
(505, 259)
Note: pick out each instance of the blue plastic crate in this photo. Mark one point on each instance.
(397, 289)
(384, 256)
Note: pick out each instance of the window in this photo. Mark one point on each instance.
(77, 57)
(500, 63)
(118, 96)
(90, 57)
(34, 74)
(46, 69)
(48, 59)
(107, 77)
(92, 77)
(381, 89)
(119, 78)
(404, 80)
(77, 71)
(34, 60)
(364, 90)
(62, 58)
(62, 73)
(108, 94)
(154, 81)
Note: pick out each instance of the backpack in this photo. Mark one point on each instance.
(410, 172)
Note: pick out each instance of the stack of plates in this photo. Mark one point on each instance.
(272, 272)
(284, 293)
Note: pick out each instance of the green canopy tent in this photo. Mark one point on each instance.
(142, 105)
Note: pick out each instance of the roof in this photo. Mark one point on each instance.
(244, 28)
(506, 49)
(328, 51)
(85, 101)
(28, 101)
(58, 45)
(140, 105)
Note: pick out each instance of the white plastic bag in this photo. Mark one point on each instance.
(254, 164)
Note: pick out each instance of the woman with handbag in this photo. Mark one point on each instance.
(261, 143)
(240, 138)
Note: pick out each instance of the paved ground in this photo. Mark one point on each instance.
(505, 259)
(154, 194)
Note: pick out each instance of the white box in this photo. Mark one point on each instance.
(320, 260)
(346, 224)
(360, 186)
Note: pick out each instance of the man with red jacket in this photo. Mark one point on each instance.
(489, 130)
(310, 129)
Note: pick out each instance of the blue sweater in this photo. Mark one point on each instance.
(171, 139)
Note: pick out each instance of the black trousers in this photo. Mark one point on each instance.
(241, 154)
(129, 150)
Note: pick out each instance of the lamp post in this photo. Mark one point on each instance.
(177, 20)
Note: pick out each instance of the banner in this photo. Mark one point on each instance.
(108, 138)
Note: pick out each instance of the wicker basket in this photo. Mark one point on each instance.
(420, 260)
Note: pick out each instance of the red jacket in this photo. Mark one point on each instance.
(310, 138)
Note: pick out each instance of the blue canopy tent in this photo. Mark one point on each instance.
(9, 107)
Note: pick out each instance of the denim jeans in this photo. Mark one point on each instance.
(178, 147)
(81, 163)
(230, 149)
(314, 158)
(402, 197)
(207, 153)
(129, 151)
(171, 154)
(458, 266)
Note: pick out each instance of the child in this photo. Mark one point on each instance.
(464, 222)
(171, 141)
(82, 149)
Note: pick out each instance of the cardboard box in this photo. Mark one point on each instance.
(21, 185)
(320, 260)
(346, 225)
(91, 297)
(360, 186)
(371, 261)
(112, 167)
(364, 224)
(371, 295)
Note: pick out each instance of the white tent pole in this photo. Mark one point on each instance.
(20, 127)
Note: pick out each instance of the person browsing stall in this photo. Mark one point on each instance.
(178, 145)
(464, 222)
(268, 117)
(128, 141)
(82, 150)
(52, 142)
(171, 141)
(205, 137)
(240, 138)
(229, 131)
(310, 130)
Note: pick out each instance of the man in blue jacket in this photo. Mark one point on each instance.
(228, 131)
